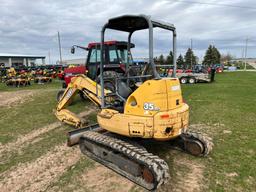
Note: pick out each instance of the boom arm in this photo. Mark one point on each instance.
(78, 83)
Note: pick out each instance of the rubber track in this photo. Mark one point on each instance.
(157, 165)
(205, 140)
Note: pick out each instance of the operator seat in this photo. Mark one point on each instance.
(123, 90)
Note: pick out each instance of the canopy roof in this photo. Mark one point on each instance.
(131, 23)
(8, 55)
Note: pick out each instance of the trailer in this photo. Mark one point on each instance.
(193, 77)
(190, 76)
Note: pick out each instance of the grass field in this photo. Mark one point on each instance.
(55, 84)
(33, 147)
(228, 107)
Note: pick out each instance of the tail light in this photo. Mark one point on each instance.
(165, 116)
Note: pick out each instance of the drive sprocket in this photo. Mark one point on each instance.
(196, 143)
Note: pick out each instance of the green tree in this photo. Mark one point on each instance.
(180, 62)
(169, 58)
(190, 58)
(161, 59)
(208, 56)
(216, 55)
(156, 60)
(212, 56)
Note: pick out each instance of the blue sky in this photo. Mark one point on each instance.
(30, 27)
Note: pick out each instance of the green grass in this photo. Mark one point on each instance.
(229, 101)
(38, 112)
(241, 65)
(226, 106)
(34, 113)
(55, 84)
(69, 181)
(34, 150)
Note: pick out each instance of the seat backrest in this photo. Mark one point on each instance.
(123, 90)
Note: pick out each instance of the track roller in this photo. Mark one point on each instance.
(130, 161)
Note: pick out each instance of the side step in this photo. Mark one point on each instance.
(132, 162)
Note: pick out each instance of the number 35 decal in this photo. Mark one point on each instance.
(150, 107)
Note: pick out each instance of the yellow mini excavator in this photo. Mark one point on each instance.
(134, 106)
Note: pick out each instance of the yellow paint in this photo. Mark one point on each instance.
(154, 110)
(78, 83)
(165, 95)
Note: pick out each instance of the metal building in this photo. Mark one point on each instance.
(15, 60)
(78, 61)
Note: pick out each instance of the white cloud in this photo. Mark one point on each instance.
(31, 26)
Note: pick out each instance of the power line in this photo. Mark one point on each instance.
(217, 4)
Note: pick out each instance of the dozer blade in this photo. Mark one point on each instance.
(132, 162)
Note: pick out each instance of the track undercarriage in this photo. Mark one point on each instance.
(129, 158)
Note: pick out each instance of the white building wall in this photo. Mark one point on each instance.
(80, 61)
(9, 61)
(5, 61)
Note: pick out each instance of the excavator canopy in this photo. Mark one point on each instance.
(131, 23)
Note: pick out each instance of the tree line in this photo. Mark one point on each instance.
(212, 56)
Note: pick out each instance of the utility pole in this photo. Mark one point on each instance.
(191, 47)
(59, 47)
(242, 57)
(245, 52)
(49, 57)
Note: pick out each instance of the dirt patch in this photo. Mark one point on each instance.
(37, 175)
(12, 98)
(24, 139)
(233, 174)
(15, 97)
(227, 131)
(101, 178)
(32, 137)
(189, 179)
(204, 128)
(187, 175)
(87, 112)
